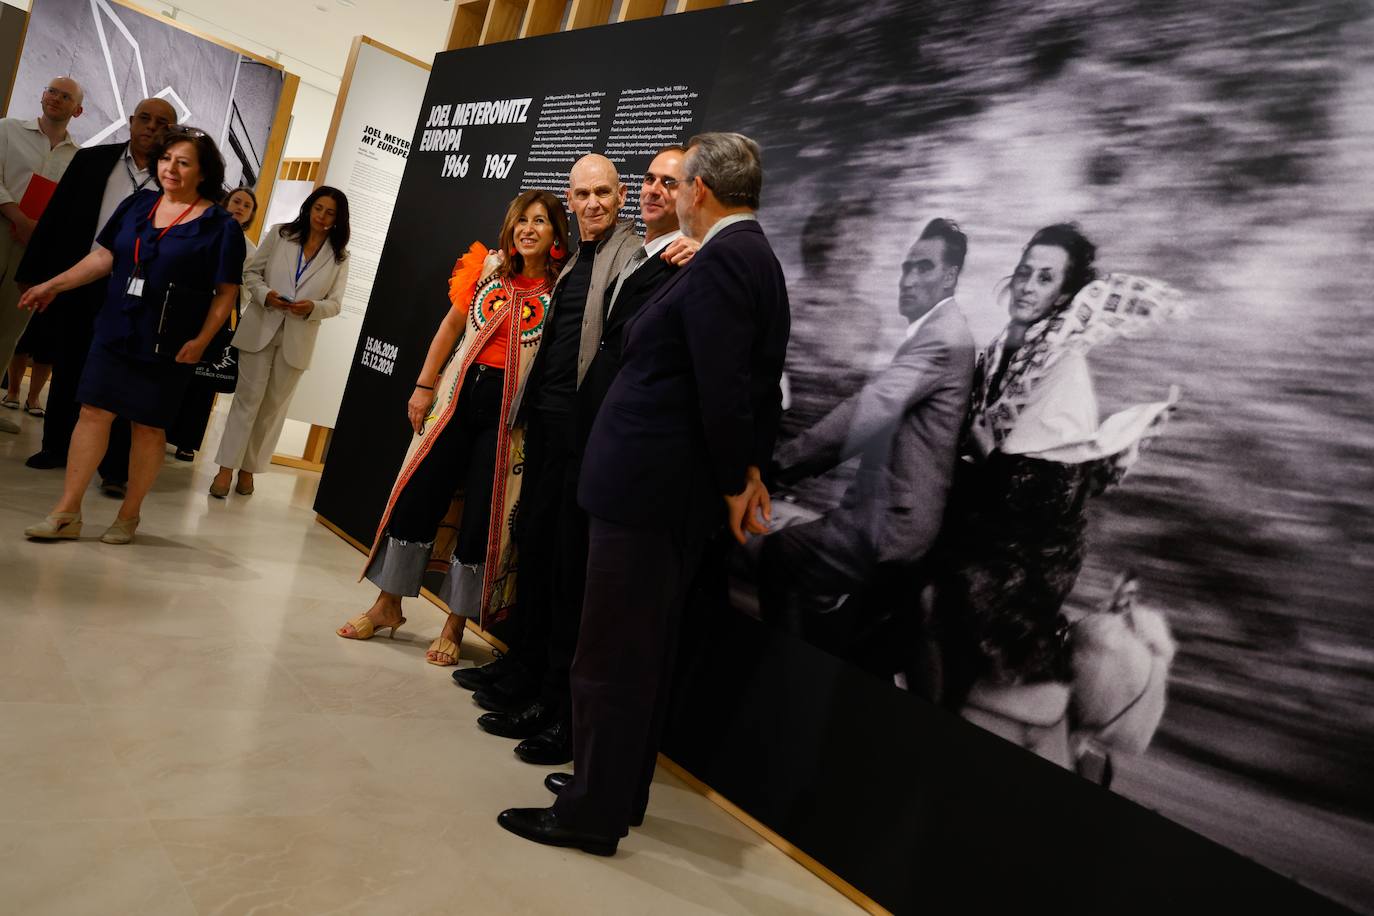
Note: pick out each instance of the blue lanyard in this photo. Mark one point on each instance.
(301, 268)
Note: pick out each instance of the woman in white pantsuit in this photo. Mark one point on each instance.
(296, 280)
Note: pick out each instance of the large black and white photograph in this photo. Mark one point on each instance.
(121, 56)
(1075, 442)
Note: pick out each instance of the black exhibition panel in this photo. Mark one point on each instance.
(915, 808)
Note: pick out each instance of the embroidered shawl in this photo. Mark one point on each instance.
(489, 301)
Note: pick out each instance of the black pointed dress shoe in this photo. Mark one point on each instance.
(526, 723)
(551, 747)
(484, 676)
(542, 826)
(45, 461)
(494, 701)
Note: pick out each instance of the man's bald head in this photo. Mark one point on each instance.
(595, 194)
(593, 167)
(62, 99)
(146, 124)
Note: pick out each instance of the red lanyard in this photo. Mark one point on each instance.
(139, 240)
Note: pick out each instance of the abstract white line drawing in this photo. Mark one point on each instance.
(99, 7)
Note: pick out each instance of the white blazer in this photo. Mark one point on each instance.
(274, 268)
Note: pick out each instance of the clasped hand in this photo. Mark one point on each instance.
(751, 509)
(300, 307)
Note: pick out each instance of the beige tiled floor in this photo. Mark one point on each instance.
(181, 732)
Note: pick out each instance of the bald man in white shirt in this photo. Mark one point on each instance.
(29, 146)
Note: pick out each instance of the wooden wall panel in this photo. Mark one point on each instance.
(503, 21)
(543, 17)
(586, 13)
(640, 9)
(687, 6)
(465, 28)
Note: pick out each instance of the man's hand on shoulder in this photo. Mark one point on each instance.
(680, 250)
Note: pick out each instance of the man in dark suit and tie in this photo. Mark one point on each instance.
(674, 451)
(546, 723)
(903, 426)
(95, 183)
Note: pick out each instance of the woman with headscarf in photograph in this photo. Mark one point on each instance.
(1033, 456)
(465, 441)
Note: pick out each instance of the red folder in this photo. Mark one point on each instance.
(37, 196)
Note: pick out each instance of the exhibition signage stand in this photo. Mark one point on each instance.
(898, 804)
(364, 156)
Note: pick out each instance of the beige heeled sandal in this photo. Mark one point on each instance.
(363, 628)
(121, 532)
(442, 646)
(59, 526)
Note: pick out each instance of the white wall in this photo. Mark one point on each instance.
(310, 118)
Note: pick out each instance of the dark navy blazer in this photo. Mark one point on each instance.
(698, 398)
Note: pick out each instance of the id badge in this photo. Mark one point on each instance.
(135, 288)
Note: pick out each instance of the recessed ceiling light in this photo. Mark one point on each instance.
(347, 2)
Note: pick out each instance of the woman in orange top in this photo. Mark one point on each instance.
(466, 441)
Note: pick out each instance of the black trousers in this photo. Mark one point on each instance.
(553, 555)
(464, 455)
(638, 580)
(77, 312)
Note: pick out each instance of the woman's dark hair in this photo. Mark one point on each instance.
(251, 196)
(299, 228)
(515, 263)
(1080, 271)
(211, 163)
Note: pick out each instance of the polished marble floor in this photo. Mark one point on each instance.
(182, 733)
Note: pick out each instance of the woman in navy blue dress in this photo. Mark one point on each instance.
(176, 239)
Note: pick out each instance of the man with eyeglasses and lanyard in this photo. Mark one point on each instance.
(29, 147)
(545, 723)
(99, 178)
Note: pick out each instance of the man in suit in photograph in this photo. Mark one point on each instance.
(545, 724)
(903, 426)
(95, 183)
(674, 451)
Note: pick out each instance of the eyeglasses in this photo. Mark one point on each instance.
(181, 130)
(56, 93)
(667, 184)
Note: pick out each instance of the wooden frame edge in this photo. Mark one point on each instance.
(275, 151)
(394, 53)
(200, 33)
(849, 891)
(14, 74)
(300, 464)
(339, 101)
(843, 887)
